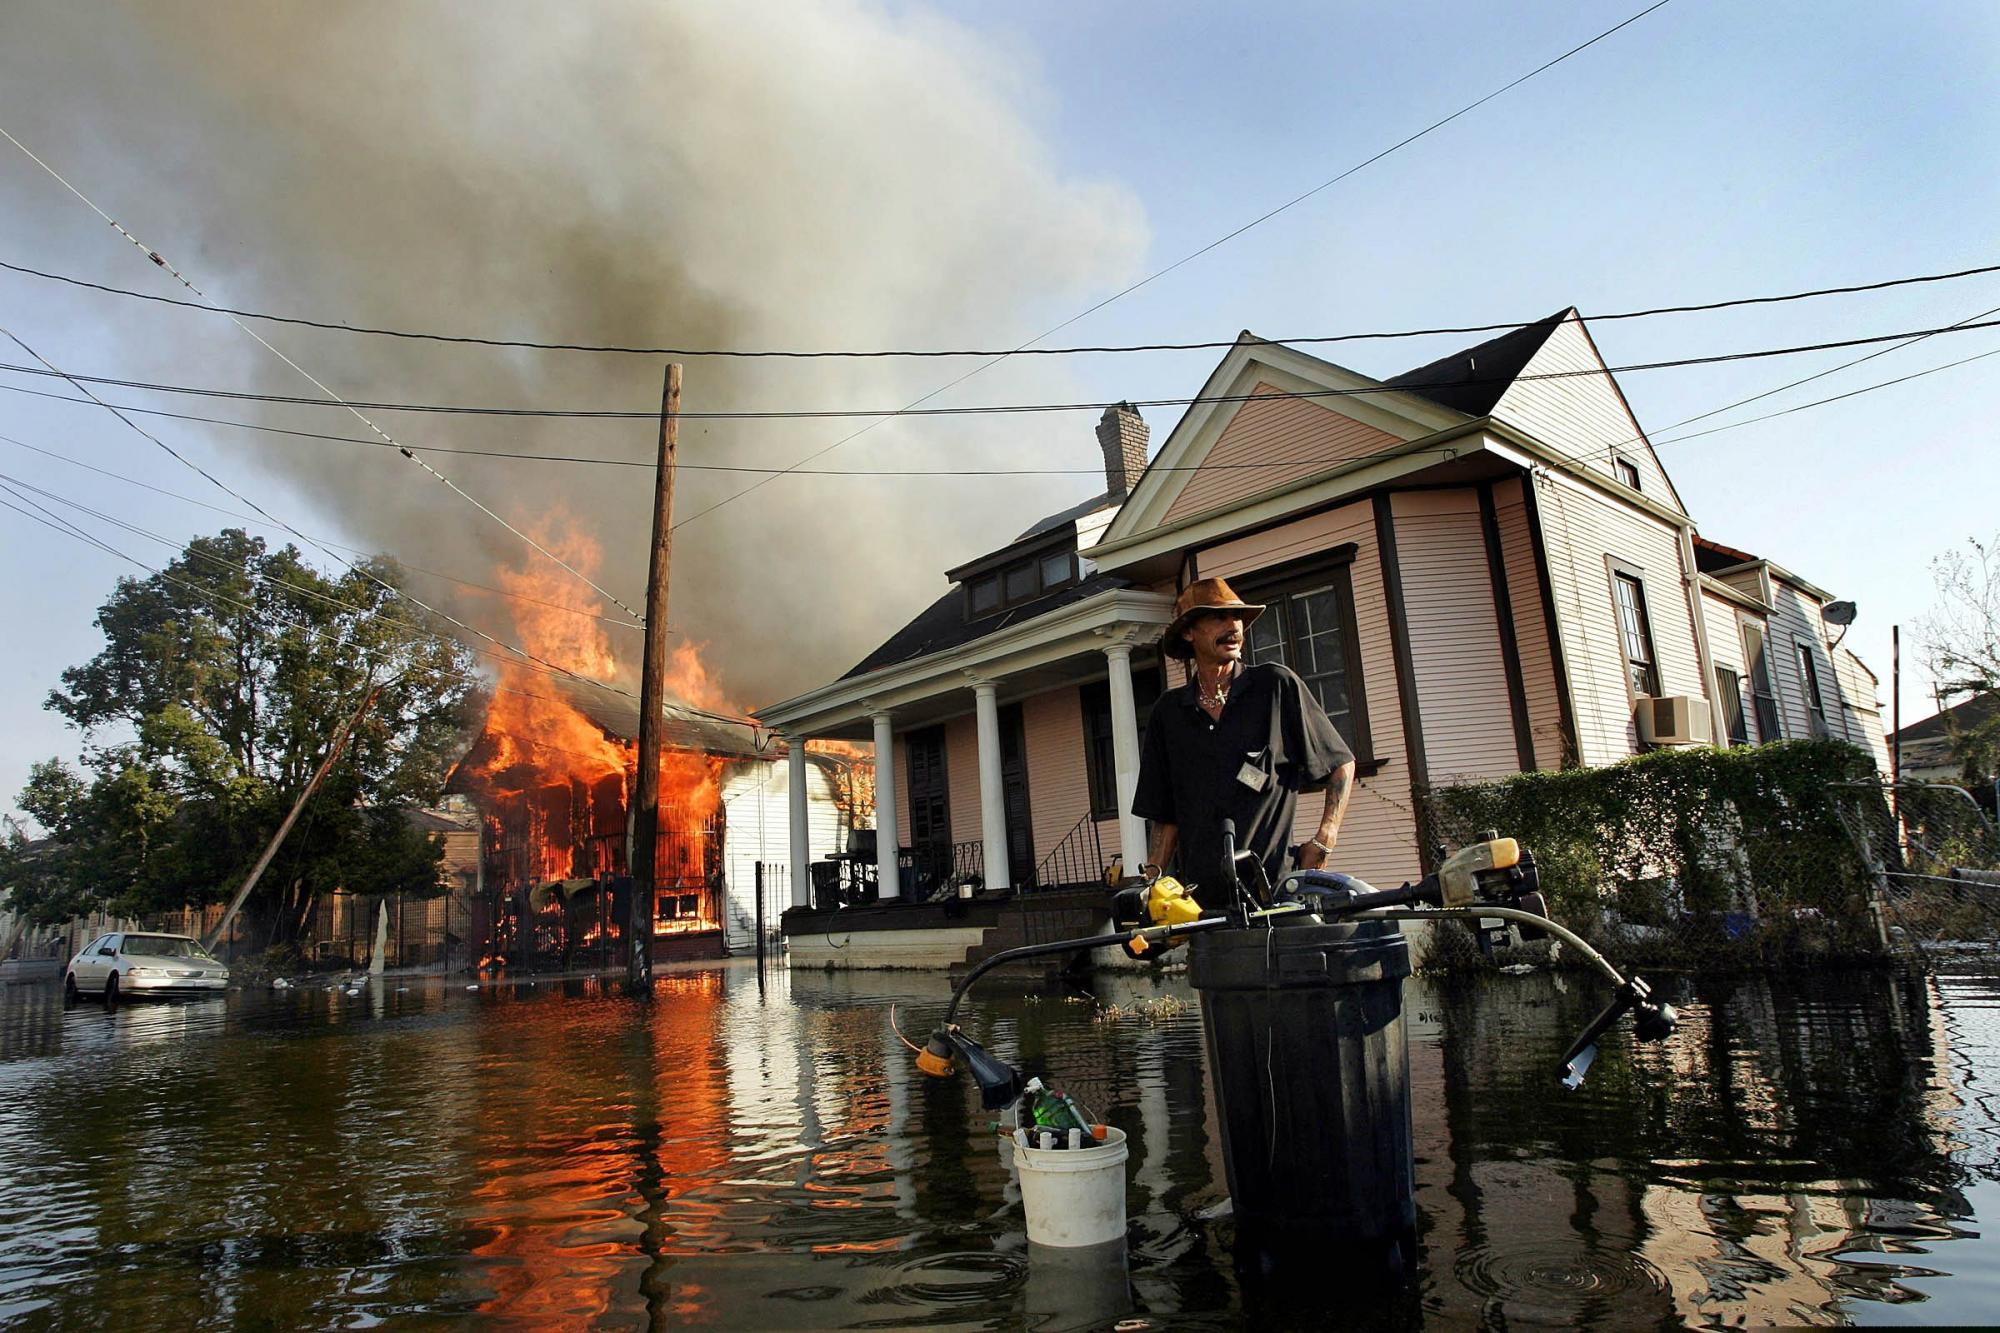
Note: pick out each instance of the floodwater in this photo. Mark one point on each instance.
(757, 1151)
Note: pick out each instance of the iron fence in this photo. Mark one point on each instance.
(1077, 860)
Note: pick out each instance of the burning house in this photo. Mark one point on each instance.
(555, 815)
(552, 772)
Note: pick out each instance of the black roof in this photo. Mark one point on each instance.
(1472, 381)
(1070, 515)
(1974, 712)
(1712, 557)
(943, 624)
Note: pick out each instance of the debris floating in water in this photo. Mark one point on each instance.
(1157, 1009)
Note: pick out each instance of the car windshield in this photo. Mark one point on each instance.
(164, 946)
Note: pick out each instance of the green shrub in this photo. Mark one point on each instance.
(1700, 840)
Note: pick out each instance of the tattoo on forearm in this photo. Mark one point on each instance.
(1337, 789)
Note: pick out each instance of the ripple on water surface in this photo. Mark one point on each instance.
(764, 1155)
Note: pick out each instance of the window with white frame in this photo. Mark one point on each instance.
(1635, 631)
(1809, 682)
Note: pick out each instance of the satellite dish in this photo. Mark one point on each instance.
(1838, 613)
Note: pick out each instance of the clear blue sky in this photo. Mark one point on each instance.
(1708, 151)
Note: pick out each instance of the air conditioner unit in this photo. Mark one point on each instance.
(1674, 719)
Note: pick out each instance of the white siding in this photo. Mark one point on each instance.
(1461, 674)
(1584, 415)
(756, 801)
(1727, 647)
(1725, 641)
(1858, 692)
(1795, 619)
(1531, 627)
(1378, 842)
(1581, 527)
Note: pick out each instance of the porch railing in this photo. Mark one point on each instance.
(1077, 859)
(939, 869)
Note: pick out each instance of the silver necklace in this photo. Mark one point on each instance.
(1216, 698)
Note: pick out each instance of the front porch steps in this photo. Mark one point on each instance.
(1040, 917)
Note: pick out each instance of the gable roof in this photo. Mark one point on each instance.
(943, 625)
(1473, 380)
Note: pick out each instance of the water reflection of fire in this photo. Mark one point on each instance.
(554, 767)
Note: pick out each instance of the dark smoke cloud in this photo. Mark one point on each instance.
(798, 175)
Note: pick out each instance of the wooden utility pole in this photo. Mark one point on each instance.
(1895, 706)
(652, 701)
(278, 838)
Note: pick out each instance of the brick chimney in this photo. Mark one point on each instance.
(1122, 434)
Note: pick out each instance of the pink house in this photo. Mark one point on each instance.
(1480, 566)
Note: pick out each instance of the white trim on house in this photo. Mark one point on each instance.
(1735, 596)
(1048, 638)
(1242, 368)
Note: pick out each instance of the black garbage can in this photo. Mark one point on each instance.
(1312, 1078)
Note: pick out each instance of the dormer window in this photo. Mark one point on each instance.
(1018, 581)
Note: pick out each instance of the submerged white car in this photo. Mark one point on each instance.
(123, 963)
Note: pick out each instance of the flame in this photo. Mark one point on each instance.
(555, 784)
(853, 781)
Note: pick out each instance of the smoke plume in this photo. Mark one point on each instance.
(837, 174)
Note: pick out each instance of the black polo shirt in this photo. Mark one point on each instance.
(1272, 742)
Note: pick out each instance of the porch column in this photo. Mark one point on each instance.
(992, 792)
(886, 838)
(801, 839)
(1125, 755)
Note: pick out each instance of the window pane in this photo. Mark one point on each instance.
(1021, 582)
(1728, 688)
(1316, 623)
(986, 594)
(1637, 633)
(1627, 473)
(1055, 570)
(1267, 636)
(1809, 681)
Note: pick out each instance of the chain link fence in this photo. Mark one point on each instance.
(1933, 856)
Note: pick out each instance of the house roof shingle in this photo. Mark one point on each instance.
(943, 624)
(1474, 379)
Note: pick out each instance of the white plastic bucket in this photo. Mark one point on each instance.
(1074, 1196)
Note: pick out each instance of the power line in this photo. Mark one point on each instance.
(1603, 451)
(994, 409)
(272, 519)
(592, 460)
(71, 530)
(10, 482)
(1834, 398)
(1190, 257)
(160, 261)
(741, 353)
(321, 541)
(1969, 322)
(8, 485)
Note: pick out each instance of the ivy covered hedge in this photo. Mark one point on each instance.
(1743, 846)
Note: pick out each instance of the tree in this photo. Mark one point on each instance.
(1962, 648)
(221, 684)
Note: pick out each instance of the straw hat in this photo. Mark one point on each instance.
(1199, 597)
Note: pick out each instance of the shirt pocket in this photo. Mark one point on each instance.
(1255, 773)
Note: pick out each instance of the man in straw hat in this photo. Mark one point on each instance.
(1235, 742)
